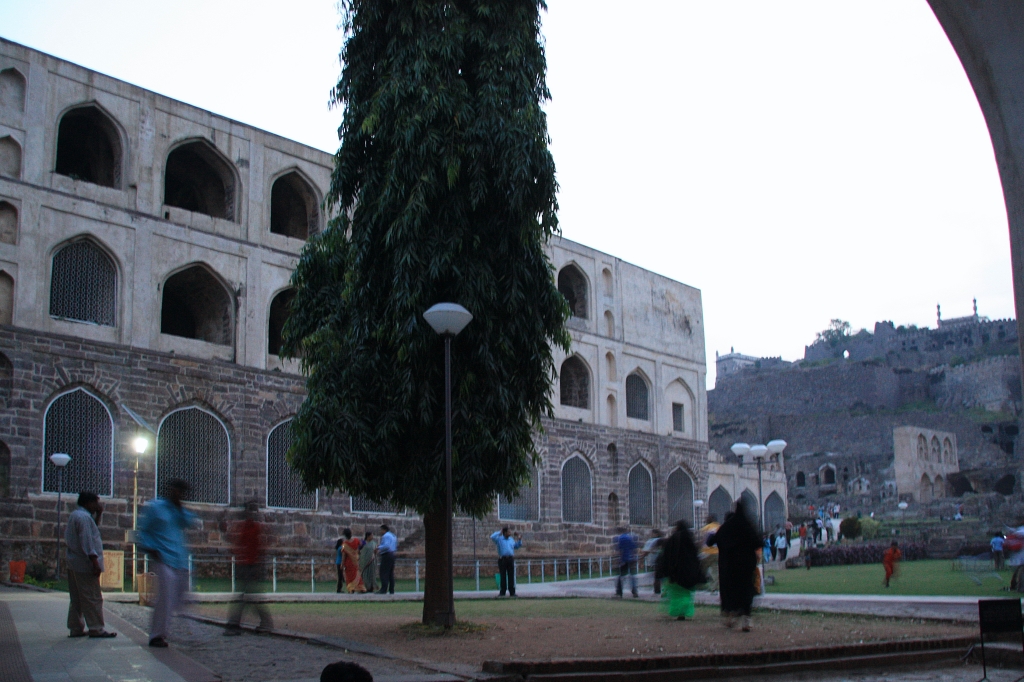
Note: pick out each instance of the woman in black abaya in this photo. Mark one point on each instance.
(737, 542)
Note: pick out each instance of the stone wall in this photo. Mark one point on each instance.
(992, 384)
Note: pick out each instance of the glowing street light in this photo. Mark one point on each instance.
(140, 445)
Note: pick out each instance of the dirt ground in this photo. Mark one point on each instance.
(582, 628)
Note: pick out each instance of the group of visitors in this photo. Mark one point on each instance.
(357, 562)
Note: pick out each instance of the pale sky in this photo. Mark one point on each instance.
(796, 161)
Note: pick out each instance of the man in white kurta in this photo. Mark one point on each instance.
(85, 564)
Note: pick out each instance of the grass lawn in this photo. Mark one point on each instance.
(931, 578)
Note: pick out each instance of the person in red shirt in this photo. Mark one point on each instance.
(890, 561)
(248, 545)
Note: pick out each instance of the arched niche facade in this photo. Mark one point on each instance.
(925, 489)
(6, 298)
(609, 324)
(193, 445)
(679, 494)
(947, 451)
(577, 491)
(609, 359)
(89, 146)
(83, 283)
(774, 512)
(12, 90)
(197, 305)
(749, 500)
(8, 223)
(198, 178)
(78, 423)
(606, 278)
(284, 487)
(936, 450)
(574, 383)
(679, 404)
(719, 504)
(641, 495)
(572, 284)
(922, 448)
(613, 411)
(638, 397)
(294, 207)
(280, 309)
(10, 158)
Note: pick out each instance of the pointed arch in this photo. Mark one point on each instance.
(947, 451)
(935, 455)
(641, 495)
(572, 284)
(679, 495)
(638, 396)
(10, 157)
(193, 445)
(83, 282)
(922, 447)
(749, 500)
(680, 402)
(294, 206)
(609, 324)
(574, 383)
(198, 178)
(197, 304)
(938, 488)
(613, 411)
(606, 276)
(801, 480)
(609, 358)
(719, 504)
(90, 146)
(8, 223)
(577, 490)
(827, 474)
(774, 512)
(925, 489)
(12, 90)
(280, 309)
(78, 422)
(285, 489)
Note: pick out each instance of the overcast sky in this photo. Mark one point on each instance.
(796, 161)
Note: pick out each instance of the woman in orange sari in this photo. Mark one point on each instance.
(350, 562)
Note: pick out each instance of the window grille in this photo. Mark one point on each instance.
(193, 446)
(284, 487)
(680, 497)
(362, 505)
(574, 383)
(522, 507)
(677, 417)
(572, 284)
(84, 285)
(576, 501)
(79, 425)
(636, 397)
(641, 502)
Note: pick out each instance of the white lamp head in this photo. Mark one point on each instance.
(776, 446)
(447, 318)
(740, 449)
(60, 459)
(758, 451)
(698, 503)
(140, 444)
(903, 505)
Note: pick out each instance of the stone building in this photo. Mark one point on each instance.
(730, 480)
(146, 248)
(923, 461)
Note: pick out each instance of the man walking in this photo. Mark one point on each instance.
(626, 544)
(248, 561)
(507, 547)
(162, 536)
(386, 553)
(85, 564)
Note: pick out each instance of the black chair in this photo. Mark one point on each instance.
(999, 615)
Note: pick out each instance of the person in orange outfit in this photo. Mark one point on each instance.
(890, 560)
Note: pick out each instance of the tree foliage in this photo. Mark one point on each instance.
(444, 190)
(836, 333)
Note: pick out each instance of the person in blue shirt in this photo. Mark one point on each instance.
(626, 545)
(997, 551)
(162, 536)
(507, 546)
(386, 553)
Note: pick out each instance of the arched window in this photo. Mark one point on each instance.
(280, 309)
(801, 480)
(637, 398)
(193, 446)
(574, 383)
(197, 306)
(8, 223)
(750, 505)
(572, 284)
(576, 491)
(293, 207)
(12, 90)
(936, 454)
(198, 179)
(524, 506)
(922, 448)
(609, 324)
(719, 504)
(89, 147)
(83, 285)
(613, 510)
(680, 497)
(947, 452)
(284, 487)
(77, 423)
(6, 298)
(10, 158)
(774, 512)
(5, 470)
(828, 475)
(641, 496)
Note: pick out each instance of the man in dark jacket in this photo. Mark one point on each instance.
(737, 543)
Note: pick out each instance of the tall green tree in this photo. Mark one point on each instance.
(445, 191)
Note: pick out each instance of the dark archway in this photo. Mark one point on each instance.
(196, 305)
(198, 179)
(774, 512)
(89, 147)
(719, 504)
(572, 284)
(280, 309)
(293, 207)
(574, 383)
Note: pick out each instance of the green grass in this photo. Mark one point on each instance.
(927, 578)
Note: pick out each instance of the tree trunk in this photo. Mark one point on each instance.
(435, 584)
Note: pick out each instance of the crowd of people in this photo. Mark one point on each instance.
(360, 561)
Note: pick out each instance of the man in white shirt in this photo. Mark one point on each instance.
(85, 564)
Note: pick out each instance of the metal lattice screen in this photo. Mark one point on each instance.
(641, 497)
(84, 285)
(576, 492)
(574, 384)
(361, 505)
(522, 507)
(680, 497)
(79, 425)
(636, 398)
(193, 446)
(284, 488)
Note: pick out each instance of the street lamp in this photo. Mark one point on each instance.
(697, 504)
(448, 319)
(758, 452)
(60, 460)
(140, 444)
(903, 518)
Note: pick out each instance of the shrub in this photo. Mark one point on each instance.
(868, 553)
(850, 527)
(869, 528)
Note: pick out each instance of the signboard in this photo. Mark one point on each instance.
(1000, 615)
(112, 577)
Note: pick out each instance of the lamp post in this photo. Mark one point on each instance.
(140, 444)
(697, 504)
(758, 452)
(448, 319)
(60, 460)
(903, 517)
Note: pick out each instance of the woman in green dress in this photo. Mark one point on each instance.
(679, 566)
(368, 562)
